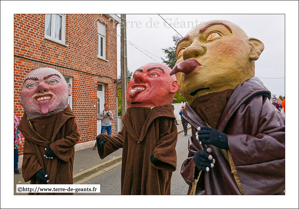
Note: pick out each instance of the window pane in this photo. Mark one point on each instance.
(100, 88)
(98, 104)
(48, 25)
(58, 26)
(102, 47)
(101, 29)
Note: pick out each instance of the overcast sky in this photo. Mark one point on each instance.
(148, 34)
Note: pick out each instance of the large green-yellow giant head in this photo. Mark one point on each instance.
(214, 56)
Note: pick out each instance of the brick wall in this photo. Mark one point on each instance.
(78, 60)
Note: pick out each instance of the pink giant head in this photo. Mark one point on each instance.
(44, 92)
(151, 86)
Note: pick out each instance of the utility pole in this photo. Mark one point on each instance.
(124, 76)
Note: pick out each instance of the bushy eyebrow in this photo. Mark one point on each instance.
(183, 39)
(30, 78)
(139, 69)
(48, 76)
(153, 68)
(215, 23)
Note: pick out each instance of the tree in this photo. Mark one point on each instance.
(170, 61)
(170, 53)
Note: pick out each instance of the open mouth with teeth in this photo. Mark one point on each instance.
(43, 98)
(136, 90)
(194, 92)
(43, 102)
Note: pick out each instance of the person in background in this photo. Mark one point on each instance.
(184, 122)
(106, 118)
(18, 143)
(274, 102)
(283, 104)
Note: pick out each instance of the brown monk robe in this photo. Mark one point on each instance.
(255, 161)
(146, 131)
(59, 131)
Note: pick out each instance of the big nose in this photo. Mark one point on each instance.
(194, 51)
(42, 88)
(140, 78)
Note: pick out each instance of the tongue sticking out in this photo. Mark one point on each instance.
(134, 92)
(187, 67)
(44, 106)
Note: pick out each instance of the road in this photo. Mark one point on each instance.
(110, 178)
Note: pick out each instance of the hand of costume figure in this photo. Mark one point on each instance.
(204, 160)
(41, 175)
(213, 137)
(154, 160)
(108, 114)
(49, 153)
(100, 141)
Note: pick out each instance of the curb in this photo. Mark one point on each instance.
(90, 171)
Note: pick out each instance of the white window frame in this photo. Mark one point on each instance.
(70, 98)
(52, 37)
(101, 34)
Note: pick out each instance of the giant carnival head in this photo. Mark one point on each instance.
(44, 92)
(151, 86)
(214, 56)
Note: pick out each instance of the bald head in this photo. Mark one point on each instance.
(44, 92)
(151, 86)
(214, 56)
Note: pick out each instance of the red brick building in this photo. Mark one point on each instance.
(83, 47)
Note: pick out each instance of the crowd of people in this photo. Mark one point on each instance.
(279, 104)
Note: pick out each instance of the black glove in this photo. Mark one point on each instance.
(100, 141)
(41, 175)
(49, 153)
(204, 160)
(154, 160)
(212, 137)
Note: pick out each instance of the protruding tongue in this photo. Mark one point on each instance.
(44, 106)
(134, 92)
(187, 67)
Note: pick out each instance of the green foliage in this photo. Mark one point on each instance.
(119, 101)
(170, 53)
(178, 98)
(170, 61)
(280, 97)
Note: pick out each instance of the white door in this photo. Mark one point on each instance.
(100, 104)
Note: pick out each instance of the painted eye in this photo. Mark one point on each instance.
(154, 75)
(30, 85)
(212, 36)
(181, 51)
(51, 82)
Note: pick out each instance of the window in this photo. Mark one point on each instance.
(101, 41)
(55, 27)
(70, 98)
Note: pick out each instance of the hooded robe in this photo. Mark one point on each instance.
(146, 131)
(59, 131)
(255, 161)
